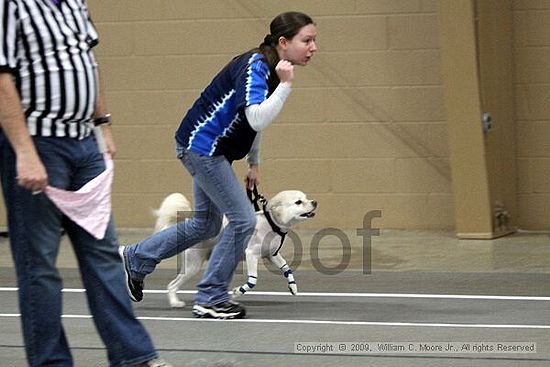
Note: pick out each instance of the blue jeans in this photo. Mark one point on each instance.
(35, 224)
(216, 192)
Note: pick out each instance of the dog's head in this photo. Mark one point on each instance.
(290, 207)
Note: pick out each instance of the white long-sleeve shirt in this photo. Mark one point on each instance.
(262, 115)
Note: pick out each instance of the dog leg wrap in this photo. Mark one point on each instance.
(250, 283)
(287, 272)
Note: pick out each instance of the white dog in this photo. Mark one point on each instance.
(272, 223)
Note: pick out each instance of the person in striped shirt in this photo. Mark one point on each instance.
(224, 125)
(49, 102)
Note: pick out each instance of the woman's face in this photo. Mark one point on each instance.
(300, 48)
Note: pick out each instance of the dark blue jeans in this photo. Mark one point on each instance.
(34, 225)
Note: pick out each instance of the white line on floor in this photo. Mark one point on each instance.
(368, 295)
(325, 322)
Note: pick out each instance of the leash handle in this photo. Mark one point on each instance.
(255, 198)
(252, 193)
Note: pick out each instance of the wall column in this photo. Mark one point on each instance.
(475, 37)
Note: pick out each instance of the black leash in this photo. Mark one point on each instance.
(256, 198)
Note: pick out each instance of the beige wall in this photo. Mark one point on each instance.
(532, 94)
(364, 128)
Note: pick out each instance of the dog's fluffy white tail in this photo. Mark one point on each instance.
(175, 207)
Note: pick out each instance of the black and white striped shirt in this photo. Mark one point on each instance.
(48, 49)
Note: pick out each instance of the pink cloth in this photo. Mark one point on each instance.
(90, 206)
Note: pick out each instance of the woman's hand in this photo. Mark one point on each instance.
(252, 176)
(285, 71)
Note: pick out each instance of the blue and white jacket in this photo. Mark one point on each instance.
(216, 124)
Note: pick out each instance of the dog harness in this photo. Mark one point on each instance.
(258, 199)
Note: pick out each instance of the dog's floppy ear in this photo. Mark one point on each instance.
(276, 209)
(277, 212)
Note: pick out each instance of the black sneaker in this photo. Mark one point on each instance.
(134, 287)
(224, 310)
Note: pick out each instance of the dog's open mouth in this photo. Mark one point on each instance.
(310, 214)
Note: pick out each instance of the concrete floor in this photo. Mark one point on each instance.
(412, 287)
